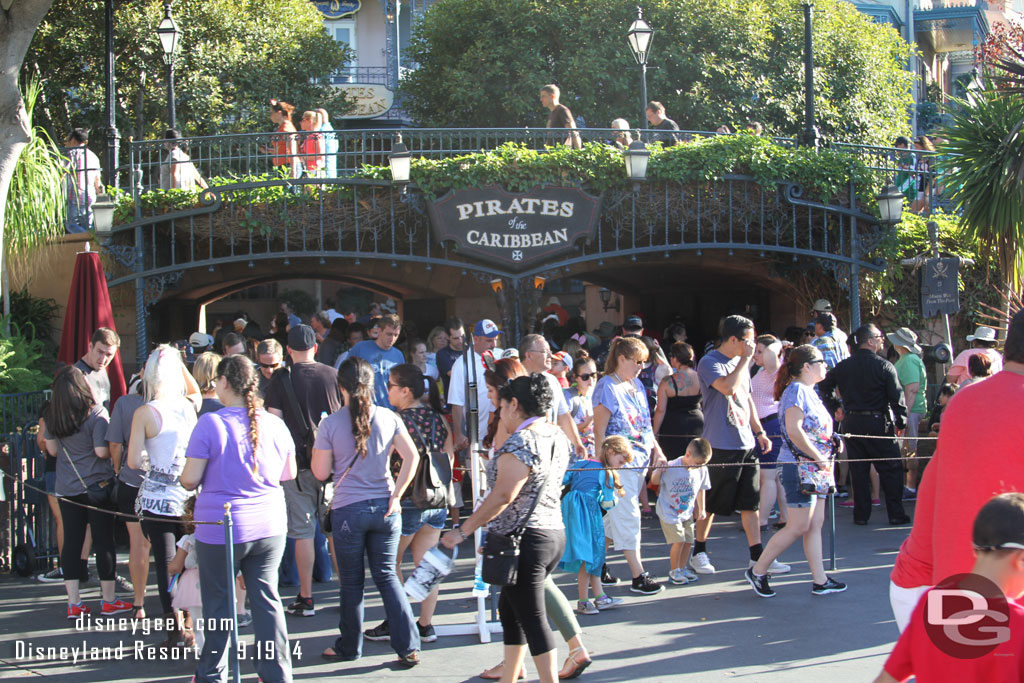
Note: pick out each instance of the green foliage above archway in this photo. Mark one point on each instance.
(713, 62)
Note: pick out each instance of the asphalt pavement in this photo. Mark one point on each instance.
(711, 630)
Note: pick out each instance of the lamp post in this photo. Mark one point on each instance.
(890, 205)
(639, 36)
(810, 136)
(169, 35)
(636, 157)
(113, 137)
(400, 161)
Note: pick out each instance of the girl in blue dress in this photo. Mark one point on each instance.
(594, 487)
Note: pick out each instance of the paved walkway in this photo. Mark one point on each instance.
(715, 629)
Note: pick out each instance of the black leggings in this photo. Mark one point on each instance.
(76, 519)
(163, 534)
(523, 617)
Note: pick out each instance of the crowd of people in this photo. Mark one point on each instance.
(318, 436)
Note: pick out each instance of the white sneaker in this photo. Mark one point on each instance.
(690, 574)
(677, 577)
(702, 564)
(776, 567)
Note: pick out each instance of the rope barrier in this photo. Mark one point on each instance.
(127, 517)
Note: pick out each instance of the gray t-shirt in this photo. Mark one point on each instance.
(98, 381)
(726, 418)
(119, 431)
(545, 450)
(369, 477)
(79, 447)
(559, 406)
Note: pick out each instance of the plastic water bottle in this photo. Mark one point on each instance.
(323, 414)
(480, 589)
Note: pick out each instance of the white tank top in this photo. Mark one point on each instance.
(161, 492)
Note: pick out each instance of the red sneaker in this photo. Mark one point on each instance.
(75, 611)
(116, 607)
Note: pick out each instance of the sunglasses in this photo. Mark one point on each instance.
(819, 360)
(587, 376)
(270, 366)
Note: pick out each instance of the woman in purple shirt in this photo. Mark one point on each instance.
(240, 454)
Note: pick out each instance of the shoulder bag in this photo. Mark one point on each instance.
(814, 481)
(500, 566)
(325, 523)
(100, 494)
(430, 483)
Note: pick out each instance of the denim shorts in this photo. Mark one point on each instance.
(413, 519)
(791, 485)
(51, 482)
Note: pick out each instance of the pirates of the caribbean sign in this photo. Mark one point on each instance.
(940, 287)
(515, 230)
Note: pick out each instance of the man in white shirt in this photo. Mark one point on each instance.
(485, 337)
(535, 355)
(83, 183)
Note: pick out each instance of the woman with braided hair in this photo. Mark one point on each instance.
(354, 444)
(240, 455)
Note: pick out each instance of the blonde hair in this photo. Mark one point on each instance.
(632, 348)
(612, 445)
(164, 374)
(204, 370)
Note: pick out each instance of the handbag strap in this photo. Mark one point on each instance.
(293, 403)
(73, 468)
(521, 527)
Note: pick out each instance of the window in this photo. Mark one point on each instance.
(344, 32)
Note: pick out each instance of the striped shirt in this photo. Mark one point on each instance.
(831, 350)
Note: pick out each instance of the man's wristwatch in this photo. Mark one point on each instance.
(759, 434)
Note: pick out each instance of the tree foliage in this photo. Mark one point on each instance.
(36, 203)
(234, 56)
(982, 150)
(482, 63)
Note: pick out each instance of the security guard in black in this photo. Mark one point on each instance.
(872, 402)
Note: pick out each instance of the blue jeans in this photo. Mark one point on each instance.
(79, 218)
(362, 530)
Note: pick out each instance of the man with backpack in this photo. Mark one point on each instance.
(300, 395)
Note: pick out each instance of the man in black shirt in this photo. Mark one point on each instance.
(872, 403)
(315, 387)
(103, 346)
(560, 116)
(447, 356)
(656, 117)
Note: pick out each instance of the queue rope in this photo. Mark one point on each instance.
(133, 518)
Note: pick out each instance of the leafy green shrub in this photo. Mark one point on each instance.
(23, 362)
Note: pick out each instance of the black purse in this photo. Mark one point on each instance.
(101, 493)
(430, 483)
(500, 566)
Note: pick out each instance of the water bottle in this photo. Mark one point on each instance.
(323, 414)
(429, 573)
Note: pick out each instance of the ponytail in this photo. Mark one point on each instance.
(355, 376)
(793, 362)
(241, 376)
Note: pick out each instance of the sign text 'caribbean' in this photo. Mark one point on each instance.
(515, 230)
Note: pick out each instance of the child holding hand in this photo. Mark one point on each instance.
(683, 482)
(594, 487)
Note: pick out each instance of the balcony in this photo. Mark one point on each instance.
(951, 25)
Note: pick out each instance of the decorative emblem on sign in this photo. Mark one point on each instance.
(940, 287)
(517, 230)
(336, 9)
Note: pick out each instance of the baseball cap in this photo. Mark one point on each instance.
(563, 357)
(301, 338)
(633, 322)
(486, 328)
(199, 340)
(822, 306)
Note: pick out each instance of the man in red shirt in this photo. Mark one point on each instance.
(985, 642)
(980, 454)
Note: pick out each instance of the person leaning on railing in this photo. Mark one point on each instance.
(177, 172)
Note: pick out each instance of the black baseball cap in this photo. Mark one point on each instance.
(633, 322)
(301, 338)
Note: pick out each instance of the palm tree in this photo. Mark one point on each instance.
(980, 161)
(36, 207)
(1011, 83)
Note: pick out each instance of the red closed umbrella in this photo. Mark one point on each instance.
(89, 309)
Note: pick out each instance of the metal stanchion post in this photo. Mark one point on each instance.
(229, 553)
(832, 531)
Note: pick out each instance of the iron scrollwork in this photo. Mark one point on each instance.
(155, 286)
